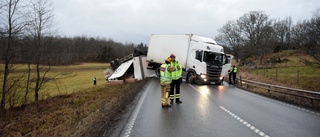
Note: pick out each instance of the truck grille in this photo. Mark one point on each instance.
(213, 72)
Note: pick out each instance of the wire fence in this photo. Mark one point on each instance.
(300, 76)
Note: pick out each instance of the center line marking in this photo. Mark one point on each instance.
(251, 127)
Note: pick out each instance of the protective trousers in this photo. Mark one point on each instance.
(175, 83)
(234, 77)
(230, 75)
(165, 89)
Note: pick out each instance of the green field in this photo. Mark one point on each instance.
(60, 80)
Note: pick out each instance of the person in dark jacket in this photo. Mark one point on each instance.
(94, 80)
(234, 72)
(230, 75)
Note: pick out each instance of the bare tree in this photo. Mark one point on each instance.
(40, 21)
(255, 26)
(282, 29)
(12, 27)
(313, 46)
(306, 35)
(230, 36)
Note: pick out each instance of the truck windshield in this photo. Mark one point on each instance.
(212, 58)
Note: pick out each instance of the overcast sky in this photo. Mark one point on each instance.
(133, 21)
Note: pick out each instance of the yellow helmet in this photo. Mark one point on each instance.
(168, 59)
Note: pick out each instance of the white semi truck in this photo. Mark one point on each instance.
(203, 61)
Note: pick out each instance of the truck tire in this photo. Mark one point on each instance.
(190, 78)
(157, 71)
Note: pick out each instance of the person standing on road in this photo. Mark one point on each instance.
(230, 75)
(176, 80)
(94, 80)
(234, 72)
(165, 81)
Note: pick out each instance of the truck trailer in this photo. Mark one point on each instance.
(202, 60)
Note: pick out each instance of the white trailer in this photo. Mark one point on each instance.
(201, 58)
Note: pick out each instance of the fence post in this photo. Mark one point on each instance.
(298, 77)
(276, 73)
(240, 80)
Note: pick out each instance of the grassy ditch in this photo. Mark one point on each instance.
(83, 113)
(60, 80)
(290, 69)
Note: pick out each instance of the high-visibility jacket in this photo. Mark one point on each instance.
(165, 74)
(230, 71)
(178, 72)
(235, 70)
(94, 79)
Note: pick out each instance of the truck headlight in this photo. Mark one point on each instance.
(203, 76)
(221, 78)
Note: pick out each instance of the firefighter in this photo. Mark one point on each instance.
(94, 80)
(176, 80)
(165, 81)
(234, 72)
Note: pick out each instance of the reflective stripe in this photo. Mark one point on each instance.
(171, 96)
(235, 69)
(177, 95)
(165, 75)
(178, 72)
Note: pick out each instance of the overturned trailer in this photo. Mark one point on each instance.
(128, 69)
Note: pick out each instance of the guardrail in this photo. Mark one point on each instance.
(312, 96)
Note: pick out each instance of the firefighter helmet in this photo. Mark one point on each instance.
(168, 60)
(172, 55)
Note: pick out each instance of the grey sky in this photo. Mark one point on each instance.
(133, 21)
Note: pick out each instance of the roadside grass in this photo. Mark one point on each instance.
(84, 113)
(294, 72)
(60, 80)
(70, 104)
(300, 77)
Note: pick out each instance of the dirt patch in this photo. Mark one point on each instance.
(86, 113)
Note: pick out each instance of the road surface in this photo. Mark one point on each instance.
(218, 111)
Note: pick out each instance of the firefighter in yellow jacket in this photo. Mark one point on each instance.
(165, 81)
(176, 79)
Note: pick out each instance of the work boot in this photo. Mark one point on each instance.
(171, 101)
(178, 100)
(166, 106)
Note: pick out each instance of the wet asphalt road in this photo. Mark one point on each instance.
(218, 111)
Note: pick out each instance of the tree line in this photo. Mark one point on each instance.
(28, 35)
(73, 50)
(254, 35)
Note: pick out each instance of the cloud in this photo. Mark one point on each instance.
(134, 21)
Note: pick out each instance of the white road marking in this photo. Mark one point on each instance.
(251, 127)
(254, 129)
(134, 115)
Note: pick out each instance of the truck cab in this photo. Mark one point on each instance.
(202, 59)
(206, 63)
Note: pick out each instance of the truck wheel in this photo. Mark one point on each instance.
(157, 70)
(190, 78)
